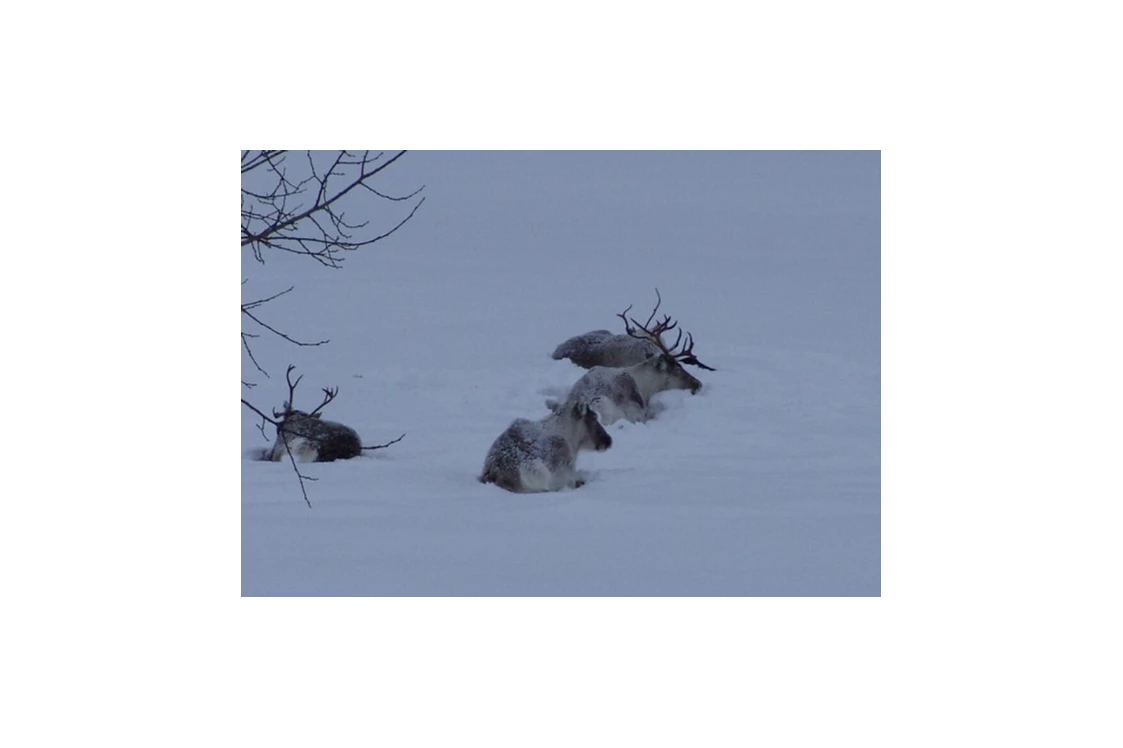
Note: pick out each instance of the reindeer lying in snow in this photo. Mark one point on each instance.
(314, 440)
(309, 438)
(626, 392)
(532, 456)
(603, 348)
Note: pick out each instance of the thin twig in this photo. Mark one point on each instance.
(299, 475)
(258, 302)
(400, 224)
(387, 444)
(262, 157)
(246, 345)
(279, 333)
(261, 428)
(255, 410)
(390, 197)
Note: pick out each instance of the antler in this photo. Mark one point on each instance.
(329, 395)
(655, 335)
(292, 389)
(648, 334)
(687, 356)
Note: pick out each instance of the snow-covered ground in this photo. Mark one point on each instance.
(767, 482)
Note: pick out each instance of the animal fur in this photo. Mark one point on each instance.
(312, 439)
(532, 456)
(627, 392)
(602, 348)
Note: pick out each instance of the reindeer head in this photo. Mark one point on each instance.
(670, 356)
(594, 434)
(677, 377)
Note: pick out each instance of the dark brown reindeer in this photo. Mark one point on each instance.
(306, 437)
(626, 392)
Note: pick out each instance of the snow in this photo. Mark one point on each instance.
(767, 482)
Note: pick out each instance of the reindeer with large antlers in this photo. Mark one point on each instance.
(306, 436)
(603, 348)
(626, 392)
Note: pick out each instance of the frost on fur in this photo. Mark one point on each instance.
(532, 456)
(602, 348)
(626, 393)
(312, 439)
(638, 343)
(625, 371)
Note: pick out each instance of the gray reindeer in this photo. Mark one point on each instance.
(309, 438)
(626, 391)
(603, 348)
(532, 456)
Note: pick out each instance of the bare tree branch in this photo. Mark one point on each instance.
(278, 333)
(387, 444)
(301, 477)
(307, 213)
(275, 218)
(261, 157)
(259, 302)
(263, 416)
(380, 237)
(246, 345)
(395, 199)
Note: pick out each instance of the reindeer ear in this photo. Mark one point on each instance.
(695, 362)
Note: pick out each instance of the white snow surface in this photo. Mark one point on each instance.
(767, 482)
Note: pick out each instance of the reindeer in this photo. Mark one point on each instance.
(309, 438)
(603, 348)
(533, 456)
(626, 392)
